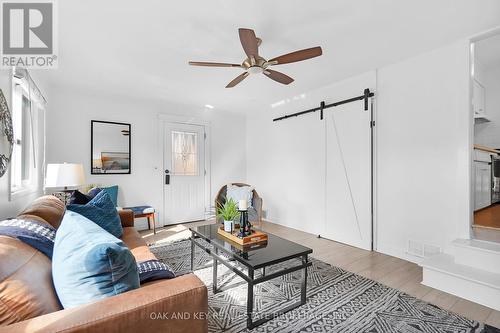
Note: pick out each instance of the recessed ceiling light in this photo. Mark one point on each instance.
(208, 106)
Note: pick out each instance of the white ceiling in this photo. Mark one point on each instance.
(124, 47)
(487, 51)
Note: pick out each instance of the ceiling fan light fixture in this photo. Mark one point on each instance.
(255, 70)
(256, 64)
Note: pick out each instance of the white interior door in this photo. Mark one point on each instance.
(348, 175)
(184, 172)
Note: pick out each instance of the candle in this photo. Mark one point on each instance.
(243, 205)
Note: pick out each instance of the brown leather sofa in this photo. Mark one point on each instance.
(28, 302)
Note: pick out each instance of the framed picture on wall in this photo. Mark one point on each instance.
(110, 148)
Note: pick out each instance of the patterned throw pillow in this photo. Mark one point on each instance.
(154, 270)
(102, 211)
(36, 234)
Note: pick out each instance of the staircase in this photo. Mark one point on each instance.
(470, 271)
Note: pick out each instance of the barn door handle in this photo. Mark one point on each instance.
(167, 177)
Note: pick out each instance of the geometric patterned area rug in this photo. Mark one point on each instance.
(337, 301)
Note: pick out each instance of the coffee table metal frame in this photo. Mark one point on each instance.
(250, 278)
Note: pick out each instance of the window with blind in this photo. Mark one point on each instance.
(27, 109)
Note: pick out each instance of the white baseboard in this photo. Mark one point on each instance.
(482, 287)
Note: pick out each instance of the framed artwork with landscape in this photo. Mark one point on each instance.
(110, 148)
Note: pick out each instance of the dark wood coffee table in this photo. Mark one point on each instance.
(257, 257)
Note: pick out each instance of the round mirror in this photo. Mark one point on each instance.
(6, 135)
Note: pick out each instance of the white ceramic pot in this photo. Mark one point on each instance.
(228, 226)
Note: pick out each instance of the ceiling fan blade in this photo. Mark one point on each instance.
(249, 42)
(297, 56)
(278, 76)
(212, 64)
(237, 80)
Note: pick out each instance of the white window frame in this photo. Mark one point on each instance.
(20, 88)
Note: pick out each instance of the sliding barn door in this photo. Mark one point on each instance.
(348, 175)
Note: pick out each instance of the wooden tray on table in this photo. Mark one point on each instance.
(255, 238)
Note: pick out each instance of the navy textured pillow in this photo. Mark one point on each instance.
(38, 235)
(112, 191)
(102, 211)
(154, 270)
(78, 198)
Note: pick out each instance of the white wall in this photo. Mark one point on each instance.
(423, 150)
(488, 134)
(68, 140)
(286, 160)
(10, 208)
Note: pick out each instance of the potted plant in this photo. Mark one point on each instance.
(228, 212)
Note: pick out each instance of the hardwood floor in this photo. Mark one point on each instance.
(488, 217)
(391, 271)
(487, 224)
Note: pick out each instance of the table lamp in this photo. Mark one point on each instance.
(64, 177)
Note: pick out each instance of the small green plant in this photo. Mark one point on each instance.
(228, 211)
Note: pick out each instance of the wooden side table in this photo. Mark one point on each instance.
(147, 212)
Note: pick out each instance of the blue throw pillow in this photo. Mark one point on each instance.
(102, 211)
(89, 264)
(112, 191)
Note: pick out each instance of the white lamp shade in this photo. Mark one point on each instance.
(64, 175)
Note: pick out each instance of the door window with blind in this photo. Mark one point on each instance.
(184, 153)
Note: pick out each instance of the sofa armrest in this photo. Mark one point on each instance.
(176, 305)
(127, 217)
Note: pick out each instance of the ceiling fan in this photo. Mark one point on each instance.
(255, 64)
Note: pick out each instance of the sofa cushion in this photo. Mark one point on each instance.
(137, 245)
(102, 211)
(26, 289)
(89, 263)
(46, 209)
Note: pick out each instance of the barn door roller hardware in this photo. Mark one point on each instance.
(366, 94)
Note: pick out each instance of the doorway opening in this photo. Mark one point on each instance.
(485, 102)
